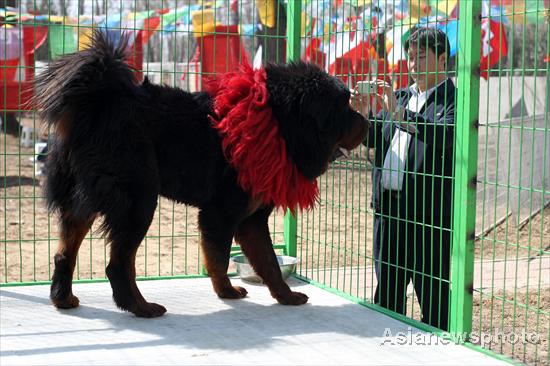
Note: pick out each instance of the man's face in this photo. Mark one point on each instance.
(425, 66)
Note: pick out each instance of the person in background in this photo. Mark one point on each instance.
(412, 180)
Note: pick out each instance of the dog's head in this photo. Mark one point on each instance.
(314, 115)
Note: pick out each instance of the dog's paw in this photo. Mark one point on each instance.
(294, 298)
(234, 292)
(69, 302)
(149, 310)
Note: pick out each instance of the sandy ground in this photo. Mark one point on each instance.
(28, 238)
(514, 313)
(516, 325)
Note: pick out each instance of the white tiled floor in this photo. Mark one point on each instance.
(199, 328)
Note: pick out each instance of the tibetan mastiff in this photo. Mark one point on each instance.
(254, 141)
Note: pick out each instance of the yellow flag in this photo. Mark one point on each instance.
(84, 37)
(203, 22)
(418, 9)
(447, 6)
(266, 9)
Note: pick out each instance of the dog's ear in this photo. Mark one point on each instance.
(306, 147)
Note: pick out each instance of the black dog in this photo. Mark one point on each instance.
(119, 145)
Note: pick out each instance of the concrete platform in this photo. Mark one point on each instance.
(199, 328)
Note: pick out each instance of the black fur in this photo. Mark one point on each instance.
(120, 144)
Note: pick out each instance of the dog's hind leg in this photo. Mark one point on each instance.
(253, 236)
(73, 231)
(216, 239)
(126, 231)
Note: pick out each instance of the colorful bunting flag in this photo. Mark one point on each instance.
(493, 12)
(451, 30)
(395, 38)
(62, 39)
(10, 39)
(523, 11)
(493, 45)
(267, 12)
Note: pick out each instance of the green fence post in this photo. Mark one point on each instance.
(293, 52)
(290, 234)
(293, 30)
(467, 123)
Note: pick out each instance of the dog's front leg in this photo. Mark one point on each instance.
(216, 239)
(253, 236)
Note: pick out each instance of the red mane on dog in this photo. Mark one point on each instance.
(252, 142)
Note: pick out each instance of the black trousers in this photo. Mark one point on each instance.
(420, 252)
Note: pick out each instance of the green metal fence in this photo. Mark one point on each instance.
(499, 158)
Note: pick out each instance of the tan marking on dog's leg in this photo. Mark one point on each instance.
(72, 234)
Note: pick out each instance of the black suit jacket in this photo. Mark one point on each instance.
(427, 184)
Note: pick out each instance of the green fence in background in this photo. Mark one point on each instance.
(498, 240)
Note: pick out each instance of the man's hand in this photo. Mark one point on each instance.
(389, 102)
(409, 127)
(360, 102)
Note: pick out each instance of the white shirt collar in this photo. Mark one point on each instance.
(418, 98)
(415, 91)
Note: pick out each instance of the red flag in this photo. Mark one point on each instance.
(314, 54)
(493, 45)
(234, 6)
(150, 26)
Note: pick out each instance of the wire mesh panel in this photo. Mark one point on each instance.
(442, 216)
(512, 253)
(178, 43)
(365, 41)
(509, 233)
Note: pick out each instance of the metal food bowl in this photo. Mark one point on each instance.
(246, 272)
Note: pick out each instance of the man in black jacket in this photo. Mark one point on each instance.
(412, 180)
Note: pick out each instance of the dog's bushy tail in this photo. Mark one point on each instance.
(83, 80)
